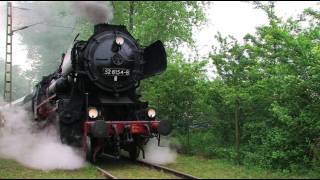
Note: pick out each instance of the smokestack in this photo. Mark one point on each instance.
(100, 28)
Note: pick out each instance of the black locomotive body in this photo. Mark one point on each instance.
(93, 97)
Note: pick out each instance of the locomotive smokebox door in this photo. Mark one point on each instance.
(99, 129)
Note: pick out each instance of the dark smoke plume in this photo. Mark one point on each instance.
(96, 11)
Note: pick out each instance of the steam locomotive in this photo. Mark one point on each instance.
(92, 97)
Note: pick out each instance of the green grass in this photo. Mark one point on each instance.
(11, 170)
(217, 168)
(197, 166)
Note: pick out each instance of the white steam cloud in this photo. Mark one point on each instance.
(162, 154)
(96, 11)
(37, 149)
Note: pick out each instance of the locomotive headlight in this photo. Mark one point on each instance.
(151, 113)
(119, 40)
(93, 112)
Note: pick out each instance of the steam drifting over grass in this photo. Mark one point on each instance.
(162, 154)
(37, 149)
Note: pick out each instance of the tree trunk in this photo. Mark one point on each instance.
(237, 132)
(131, 13)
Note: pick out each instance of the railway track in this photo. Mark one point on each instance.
(151, 166)
(106, 173)
(167, 170)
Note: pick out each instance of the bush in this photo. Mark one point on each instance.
(203, 143)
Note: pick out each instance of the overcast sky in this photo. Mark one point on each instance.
(230, 18)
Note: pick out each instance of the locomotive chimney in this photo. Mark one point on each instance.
(98, 28)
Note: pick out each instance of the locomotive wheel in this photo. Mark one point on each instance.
(60, 129)
(134, 152)
(90, 150)
(63, 133)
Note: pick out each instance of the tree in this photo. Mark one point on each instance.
(177, 91)
(273, 77)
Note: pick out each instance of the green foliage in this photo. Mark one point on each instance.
(274, 75)
(204, 143)
(171, 22)
(177, 92)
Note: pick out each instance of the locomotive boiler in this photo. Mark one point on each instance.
(92, 97)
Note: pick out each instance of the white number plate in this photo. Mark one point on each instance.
(116, 72)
